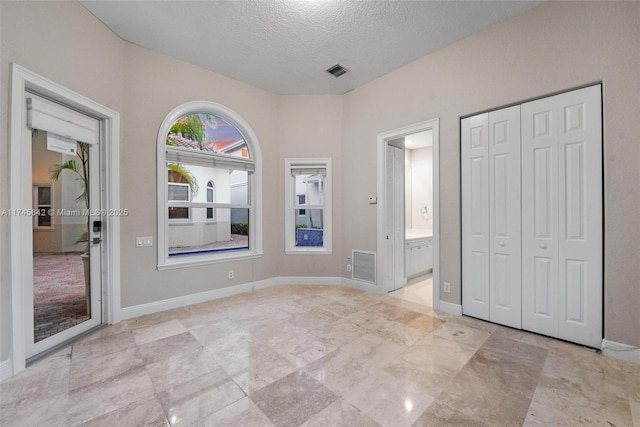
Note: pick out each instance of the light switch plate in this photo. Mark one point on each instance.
(144, 241)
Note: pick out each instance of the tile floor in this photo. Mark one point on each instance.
(418, 290)
(319, 356)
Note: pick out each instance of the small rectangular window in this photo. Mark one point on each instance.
(178, 192)
(42, 205)
(308, 220)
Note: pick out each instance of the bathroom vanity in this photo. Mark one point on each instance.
(418, 256)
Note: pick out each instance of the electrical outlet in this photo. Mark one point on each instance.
(447, 287)
(230, 274)
(349, 268)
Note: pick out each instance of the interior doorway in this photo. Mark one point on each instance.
(408, 207)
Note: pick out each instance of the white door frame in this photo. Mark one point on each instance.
(20, 197)
(383, 139)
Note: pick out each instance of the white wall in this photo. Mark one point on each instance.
(419, 185)
(554, 47)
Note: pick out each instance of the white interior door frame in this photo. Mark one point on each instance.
(383, 140)
(23, 80)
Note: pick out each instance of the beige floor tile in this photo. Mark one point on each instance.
(145, 413)
(340, 371)
(390, 401)
(158, 332)
(243, 413)
(340, 414)
(106, 396)
(259, 369)
(190, 401)
(374, 350)
(462, 334)
(86, 372)
(176, 345)
(293, 399)
(174, 371)
(295, 349)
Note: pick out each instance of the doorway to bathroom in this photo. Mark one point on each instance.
(408, 232)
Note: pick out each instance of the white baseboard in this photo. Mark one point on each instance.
(450, 308)
(293, 280)
(621, 351)
(168, 304)
(266, 283)
(6, 369)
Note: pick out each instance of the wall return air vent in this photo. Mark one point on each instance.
(337, 70)
(364, 266)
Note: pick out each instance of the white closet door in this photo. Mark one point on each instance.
(562, 216)
(540, 217)
(475, 216)
(580, 236)
(505, 217)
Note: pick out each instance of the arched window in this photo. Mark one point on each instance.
(211, 197)
(203, 144)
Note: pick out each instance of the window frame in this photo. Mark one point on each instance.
(211, 186)
(166, 262)
(292, 206)
(37, 206)
(180, 184)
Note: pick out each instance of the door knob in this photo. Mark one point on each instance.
(543, 246)
(501, 244)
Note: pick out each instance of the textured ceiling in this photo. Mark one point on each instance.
(284, 46)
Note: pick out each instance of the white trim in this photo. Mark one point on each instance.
(164, 261)
(291, 200)
(621, 351)
(298, 280)
(6, 369)
(383, 138)
(171, 303)
(450, 308)
(22, 80)
(182, 301)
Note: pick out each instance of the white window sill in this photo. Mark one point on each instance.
(176, 222)
(195, 260)
(309, 251)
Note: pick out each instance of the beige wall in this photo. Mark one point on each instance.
(554, 47)
(311, 126)
(65, 43)
(154, 85)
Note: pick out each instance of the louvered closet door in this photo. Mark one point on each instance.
(505, 217)
(475, 216)
(562, 216)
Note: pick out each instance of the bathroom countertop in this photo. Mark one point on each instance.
(417, 233)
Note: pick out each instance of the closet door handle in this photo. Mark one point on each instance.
(501, 244)
(543, 246)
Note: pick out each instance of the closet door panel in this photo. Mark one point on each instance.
(505, 217)
(580, 216)
(475, 216)
(539, 217)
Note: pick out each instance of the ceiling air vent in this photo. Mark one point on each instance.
(337, 70)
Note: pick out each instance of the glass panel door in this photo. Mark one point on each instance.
(66, 240)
